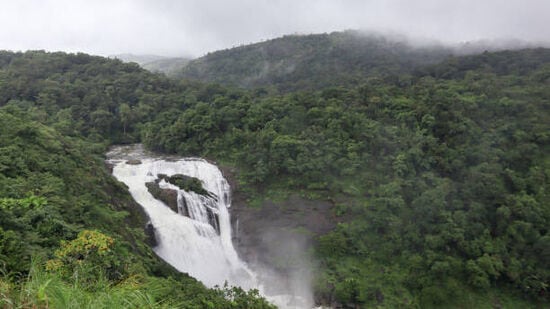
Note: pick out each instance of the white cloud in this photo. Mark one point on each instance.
(179, 27)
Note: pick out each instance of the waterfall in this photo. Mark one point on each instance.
(191, 244)
(195, 237)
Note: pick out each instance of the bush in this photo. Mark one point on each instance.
(89, 257)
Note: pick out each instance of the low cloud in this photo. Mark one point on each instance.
(195, 27)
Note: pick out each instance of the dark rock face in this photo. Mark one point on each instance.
(184, 210)
(168, 196)
(272, 231)
(214, 220)
(150, 233)
(109, 166)
(279, 234)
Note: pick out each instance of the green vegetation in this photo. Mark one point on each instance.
(298, 62)
(444, 174)
(45, 289)
(186, 183)
(439, 174)
(61, 207)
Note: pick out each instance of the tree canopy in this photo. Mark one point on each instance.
(439, 174)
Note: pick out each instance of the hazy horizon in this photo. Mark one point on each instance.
(192, 28)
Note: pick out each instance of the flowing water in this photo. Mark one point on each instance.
(197, 238)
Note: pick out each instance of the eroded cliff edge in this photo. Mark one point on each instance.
(278, 237)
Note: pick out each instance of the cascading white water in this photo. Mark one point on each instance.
(190, 244)
(190, 240)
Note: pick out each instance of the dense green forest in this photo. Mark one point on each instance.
(443, 174)
(439, 174)
(70, 235)
(297, 62)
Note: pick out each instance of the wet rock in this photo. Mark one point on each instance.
(214, 220)
(133, 162)
(278, 235)
(184, 182)
(260, 229)
(184, 209)
(150, 233)
(109, 166)
(167, 196)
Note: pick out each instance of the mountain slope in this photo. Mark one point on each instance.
(437, 179)
(170, 66)
(440, 184)
(71, 236)
(311, 61)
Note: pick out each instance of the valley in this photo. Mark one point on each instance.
(364, 172)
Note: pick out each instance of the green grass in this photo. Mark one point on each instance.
(42, 289)
(45, 289)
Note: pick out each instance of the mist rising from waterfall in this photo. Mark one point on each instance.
(190, 239)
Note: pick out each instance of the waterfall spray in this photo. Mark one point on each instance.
(196, 238)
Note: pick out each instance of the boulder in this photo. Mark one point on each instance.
(133, 162)
(109, 166)
(186, 183)
(167, 196)
(150, 233)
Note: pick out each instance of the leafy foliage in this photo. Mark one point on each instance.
(186, 183)
(44, 289)
(89, 256)
(297, 62)
(58, 202)
(440, 174)
(445, 177)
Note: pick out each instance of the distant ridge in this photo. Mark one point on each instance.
(312, 61)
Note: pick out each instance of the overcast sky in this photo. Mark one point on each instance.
(194, 27)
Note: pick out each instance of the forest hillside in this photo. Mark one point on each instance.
(437, 170)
